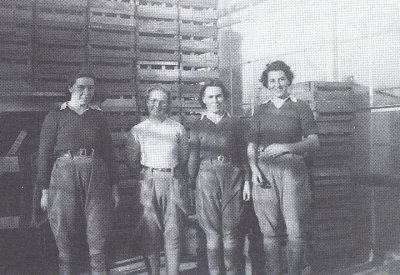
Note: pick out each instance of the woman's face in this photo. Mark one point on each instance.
(278, 84)
(214, 99)
(83, 90)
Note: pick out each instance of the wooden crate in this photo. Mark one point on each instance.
(198, 14)
(17, 10)
(112, 16)
(113, 4)
(70, 33)
(159, 10)
(112, 41)
(111, 68)
(158, 71)
(205, 45)
(198, 75)
(200, 31)
(76, 3)
(48, 13)
(203, 4)
(153, 26)
(57, 51)
(108, 87)
(15, 67)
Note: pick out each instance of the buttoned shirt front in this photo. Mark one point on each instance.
(158, 144)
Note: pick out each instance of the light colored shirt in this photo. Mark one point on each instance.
(158, 144)
(278, 102)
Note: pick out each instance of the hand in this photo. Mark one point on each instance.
(276, 149)
(246, 191)
(257, 177)
(44, 201)
(115, 195)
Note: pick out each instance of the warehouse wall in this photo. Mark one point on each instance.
(321, 40)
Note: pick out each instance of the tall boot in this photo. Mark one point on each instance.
(295, 257)
(215, 261)
(98, 264)
(273, 256)
(172, 255)
(256, 253)
(232, 261)
(65, 267)
(153, 263)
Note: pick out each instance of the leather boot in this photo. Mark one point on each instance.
(273, 256)
(295, 257)
(98, 264)
(153, 263)
(65, 267)
(215, 261)
(232, 261)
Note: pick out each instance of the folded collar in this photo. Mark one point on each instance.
(203, 115)
(91, 106)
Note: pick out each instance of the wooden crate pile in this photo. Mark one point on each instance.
(16, 18)
(332, 240)
(177, 49)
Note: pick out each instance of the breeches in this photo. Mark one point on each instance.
(79, 202)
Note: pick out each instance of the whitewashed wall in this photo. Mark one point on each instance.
(322, 40)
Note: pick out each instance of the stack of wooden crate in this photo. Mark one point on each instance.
(331, 232)
(128, 45)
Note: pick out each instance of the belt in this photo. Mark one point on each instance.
(159, 169)
(82, 152)
(220, 158)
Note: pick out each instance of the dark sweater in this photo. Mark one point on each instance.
(66, 130)
(288, 124)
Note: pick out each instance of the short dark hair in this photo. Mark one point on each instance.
(212, 83)
(158, 88)
(82, 73)
(277, 65)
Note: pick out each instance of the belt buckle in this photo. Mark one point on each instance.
(82, 151)
(220, 158)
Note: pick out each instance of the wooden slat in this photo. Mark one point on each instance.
(210, 61)
(110, 49)
(196, 3)
(205, 15)
(332, 181)
(61, 13)
(113, 4)
(76, 3)
(337, 106)
(112, 17)
(15, 49)
(337, 171)
(333, 95)
(15, 68)
(118, 105)
(158, 75)
(110, 87)
(61, 53)
(71, 34)
(112, 68)
(161, 11)
(16, 87)
(17, 9)
(205, 45)
(199, 30)
(157, 27)
(345, 127)
(154, 56)
(161, 43)
(15, 30)
(104, 33)
(197, 76)
(335, 150)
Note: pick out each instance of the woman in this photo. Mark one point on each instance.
(77, 189)
(217, 165)
(282, 130)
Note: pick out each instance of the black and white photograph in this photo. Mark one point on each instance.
(199, 137)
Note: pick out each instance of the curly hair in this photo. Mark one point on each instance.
(277, 65)
(212, 83)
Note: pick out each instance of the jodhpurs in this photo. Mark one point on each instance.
(219, 207)
(286, 202)
(162, 198)
(79, 201)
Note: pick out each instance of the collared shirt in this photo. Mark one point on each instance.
(278, 102)
(287, 124)
(67, 130)
(158, 144)
(90, 106)
(209, 140)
